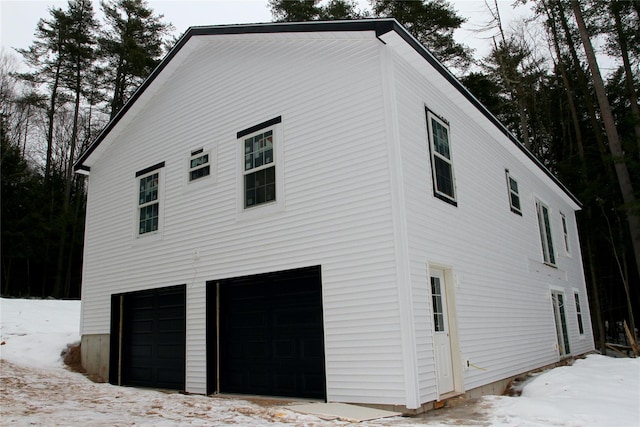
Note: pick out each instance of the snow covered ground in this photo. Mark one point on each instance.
(37, 389)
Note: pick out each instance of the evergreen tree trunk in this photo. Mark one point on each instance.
(622, 172)
(582, 82)
(50, 118)
(624, 52)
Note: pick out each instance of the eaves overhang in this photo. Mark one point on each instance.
(381, 27)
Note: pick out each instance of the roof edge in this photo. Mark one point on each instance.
(381, 26)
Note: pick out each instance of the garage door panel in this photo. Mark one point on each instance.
(153, 338)
(285, 349)
(271, 334)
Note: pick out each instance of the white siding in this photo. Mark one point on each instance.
(358, 200)
(337, 210)
(504, 318)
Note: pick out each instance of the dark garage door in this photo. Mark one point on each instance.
(153, 338)
(271, 334)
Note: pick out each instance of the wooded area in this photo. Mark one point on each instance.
(541, 80)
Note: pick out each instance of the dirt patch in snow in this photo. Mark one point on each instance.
(72, 357)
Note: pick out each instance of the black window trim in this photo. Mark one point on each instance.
(452, 201)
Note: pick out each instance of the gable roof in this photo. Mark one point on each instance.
(381, 27)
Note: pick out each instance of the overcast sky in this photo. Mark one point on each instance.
(18, 18)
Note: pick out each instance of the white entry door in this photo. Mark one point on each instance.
(441, 333)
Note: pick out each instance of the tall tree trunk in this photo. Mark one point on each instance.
(582, 82)
(50, 118)
(59, 288)
(631, 87)
(622, 172)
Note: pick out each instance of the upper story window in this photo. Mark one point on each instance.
(259, 158)
(148, 184)
(579, 313)
(514, 193)
(199, 164)
(444, 186)
(546, 239)
(565, 233)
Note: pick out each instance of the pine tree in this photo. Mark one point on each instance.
(313, 10)
(131, 45)
(432, 23)
(45, 57)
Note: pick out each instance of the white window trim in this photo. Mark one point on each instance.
(564, 223)
(198, 154)
(157, 234)
(432, 154)
(259, 211)
(544, 238)
(510, 177)
(210, 149)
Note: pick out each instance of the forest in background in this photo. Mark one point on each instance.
(541, 79)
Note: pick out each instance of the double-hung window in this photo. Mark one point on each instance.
(579, 313)
(444, 186)
(514, 193)
(565, 233)
(544, 224)
(199, 165)
(148, 185)
(260, 163)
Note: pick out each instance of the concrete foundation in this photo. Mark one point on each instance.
(95, 354)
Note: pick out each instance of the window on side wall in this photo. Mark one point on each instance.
(259, 164)
(546, 239)
(444, 186)
(579, 313)
(199, 164)
(149, 183)
(514, 193)
(565, 233)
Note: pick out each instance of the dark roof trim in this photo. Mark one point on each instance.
(380, 26)
(444, 72)
(259, 126)
(149, 169)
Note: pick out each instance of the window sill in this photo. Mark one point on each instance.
(147, 238)
(259, 211)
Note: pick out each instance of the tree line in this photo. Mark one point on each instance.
(81, 72)
(540, 78)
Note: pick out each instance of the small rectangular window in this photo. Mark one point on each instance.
(565, 233)
(546, 239)
(514, 193)
(199, 165)
(579, 313)
(444, 186)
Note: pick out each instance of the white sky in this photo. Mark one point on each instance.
(18, 18)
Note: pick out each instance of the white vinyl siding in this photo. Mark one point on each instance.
(504, 317)
(329, 218)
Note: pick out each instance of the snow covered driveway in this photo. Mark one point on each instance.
(36, 389)
(33, 396)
